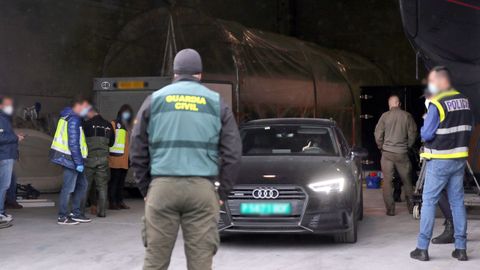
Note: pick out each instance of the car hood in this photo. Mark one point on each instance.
(299, 170)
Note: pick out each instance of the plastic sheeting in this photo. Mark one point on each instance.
(273, 75)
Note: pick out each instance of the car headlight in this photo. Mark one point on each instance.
(328, 185)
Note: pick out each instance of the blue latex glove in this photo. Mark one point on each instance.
(80, 168)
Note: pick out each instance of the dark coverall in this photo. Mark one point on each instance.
(100, 137)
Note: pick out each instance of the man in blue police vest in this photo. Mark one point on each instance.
(446, 133)
(184, 136)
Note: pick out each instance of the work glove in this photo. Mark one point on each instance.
(80, 168)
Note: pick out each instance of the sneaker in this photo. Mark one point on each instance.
(80, 218)
(4, 224)
(6, 217)
(66, 221)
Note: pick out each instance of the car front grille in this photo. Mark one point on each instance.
(294, 195)
(285, 193)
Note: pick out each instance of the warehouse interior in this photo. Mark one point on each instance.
(336, 60)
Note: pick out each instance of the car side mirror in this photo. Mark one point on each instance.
(359, 152)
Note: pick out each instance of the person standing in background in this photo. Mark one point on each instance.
(100, 137)
(395, 133)
(119, 157)
(69, 150)
(8, 152)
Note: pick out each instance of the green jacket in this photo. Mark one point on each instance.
(396, 131)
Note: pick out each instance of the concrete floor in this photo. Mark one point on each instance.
(37, 242)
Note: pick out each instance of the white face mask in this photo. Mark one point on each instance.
(8, 110)
(432, 88)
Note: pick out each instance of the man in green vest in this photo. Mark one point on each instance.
(446, 133)
(184, 139)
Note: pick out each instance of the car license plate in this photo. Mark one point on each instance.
(265, 209)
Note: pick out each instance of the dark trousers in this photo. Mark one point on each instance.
(12, 191)
(116, 184)
(97, 173)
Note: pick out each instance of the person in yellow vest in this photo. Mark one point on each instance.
(69, 150)
(446, 133)
(119, 157)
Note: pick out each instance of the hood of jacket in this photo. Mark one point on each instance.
(68, 113)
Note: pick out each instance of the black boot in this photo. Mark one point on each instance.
(460, 254)
(391, 212)
(420, 254)
(447, 236)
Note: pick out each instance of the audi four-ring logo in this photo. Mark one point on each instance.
(265, 193)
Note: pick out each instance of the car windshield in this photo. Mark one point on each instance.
(289, 140)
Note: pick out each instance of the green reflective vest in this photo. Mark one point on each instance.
(60, 141)
(184, 130)
(118, 148)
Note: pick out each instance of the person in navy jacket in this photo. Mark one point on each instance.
(8, 152)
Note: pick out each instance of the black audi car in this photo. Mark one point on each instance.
(297, 176)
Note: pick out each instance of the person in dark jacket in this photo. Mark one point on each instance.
(8, 152)
(183, 140)
(69, 150)
(99, 137)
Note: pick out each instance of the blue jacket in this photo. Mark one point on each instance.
(76, 159)
(8, 138)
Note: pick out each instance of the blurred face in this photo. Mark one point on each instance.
(437, 83)
(126, 116)
(7, 106)
(91, 114)
(82, 109)
(393, 102)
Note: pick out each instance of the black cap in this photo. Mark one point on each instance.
(187, 62)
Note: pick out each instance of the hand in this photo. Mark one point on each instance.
(220, 202)
(80, 168)
(145, 199)
(20, 137)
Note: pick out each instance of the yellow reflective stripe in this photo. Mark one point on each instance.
(436, 101)
(449, 93)
(83, 144)
(459, 152)
(444, 156)
(440, 109)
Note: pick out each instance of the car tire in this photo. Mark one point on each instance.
(349, 237)
(360, 206)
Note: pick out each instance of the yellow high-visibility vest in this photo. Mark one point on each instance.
(118, 147)
(60, 141)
